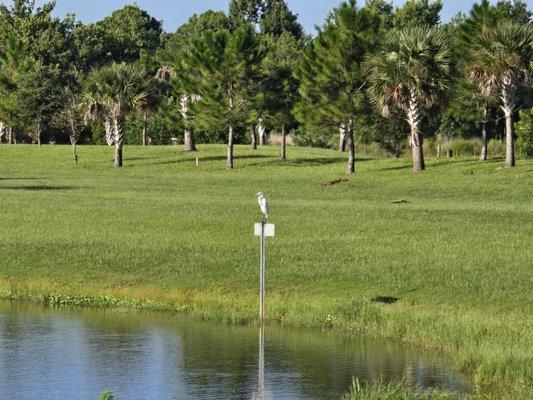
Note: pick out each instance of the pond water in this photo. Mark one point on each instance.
(74, 354)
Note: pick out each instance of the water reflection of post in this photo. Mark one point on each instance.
(261, 392)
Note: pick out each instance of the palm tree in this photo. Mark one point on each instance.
(502, 62)
(410, 71)
(481, 21)
(152, 101)
(113, 91)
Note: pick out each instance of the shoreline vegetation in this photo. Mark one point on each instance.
(446, 269)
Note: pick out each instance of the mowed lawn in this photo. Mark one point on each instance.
(451, 268)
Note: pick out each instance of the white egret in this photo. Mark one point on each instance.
(263, 203)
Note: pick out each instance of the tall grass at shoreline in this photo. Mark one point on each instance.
(447, 268)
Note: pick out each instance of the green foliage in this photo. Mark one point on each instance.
(132, 30)
(277, 19)
(330, 71)
(116, 89)
(159, 130)
(107, 395)
(279, 86)
(39, 82)
(389, 133)
(273, 16)
(396, 391)
(94, 46)
(524, 133)
(242, 12)
(418, 13)
(227, 66)
(502, 57)
(515, 10)
(413, 63)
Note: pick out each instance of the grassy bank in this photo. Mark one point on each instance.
(448, 269)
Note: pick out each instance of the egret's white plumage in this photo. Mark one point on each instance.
(263, 203)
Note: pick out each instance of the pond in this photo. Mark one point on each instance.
(74, 354)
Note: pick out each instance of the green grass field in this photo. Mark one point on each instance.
(450, 269)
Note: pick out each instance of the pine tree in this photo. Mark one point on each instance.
(182, 75)
(227, 66)
(280, 87)
(331, 73)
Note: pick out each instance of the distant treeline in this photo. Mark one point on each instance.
(373, 73)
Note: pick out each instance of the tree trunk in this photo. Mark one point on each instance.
(484, 137)
(109, 134)
(145, 123)
(188, 141)
(508, 99)
(118, 133)
(417, 143)
(350, 142)
(509, 142)
(342, 138)
(10, 136)
(283, 155)
(253, 134)
(74, 150)
(229, 163)
(261, 132)
(2, 130)
(39, 134)
(118, 155)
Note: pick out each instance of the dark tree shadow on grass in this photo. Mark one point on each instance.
(21, 179)
(430, 164)
(38, 188)
(323, 161)
(202, 159)
(385, 299)
(299, 162)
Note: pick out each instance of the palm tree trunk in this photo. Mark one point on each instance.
(508, 99)
(342, 138)
(73, 142)
(261, 132)
(10, 135)
(119, 140)
(118, 155)
(145, 123)
(417, 143)
(189, 144)
(253, 133)
(229, 163)
(350, 142)
(283, 154)
(109, 134)
(484, 137)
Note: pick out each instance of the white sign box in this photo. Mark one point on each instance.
(270, 230)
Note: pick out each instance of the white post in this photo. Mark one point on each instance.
(262, 265)
(263, 230)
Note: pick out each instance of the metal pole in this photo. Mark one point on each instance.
(262, 264)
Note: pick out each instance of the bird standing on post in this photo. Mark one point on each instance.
(263, 203)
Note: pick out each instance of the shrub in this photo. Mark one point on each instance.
(393, 391)
(107, 395)
(496, 147)
(524, 133)
(466, 147)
